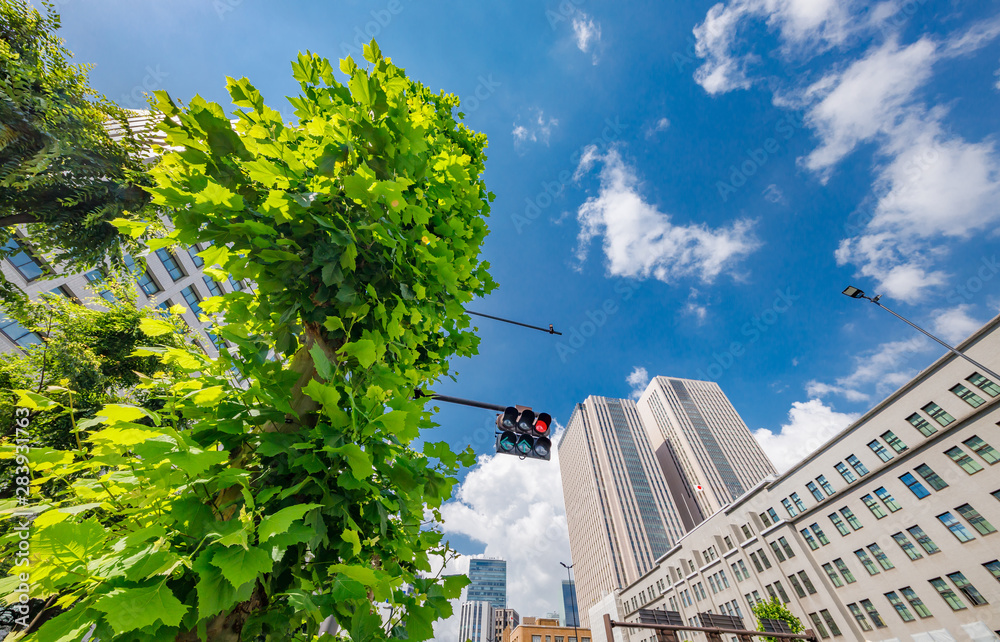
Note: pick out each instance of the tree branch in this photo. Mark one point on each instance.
(18, 219)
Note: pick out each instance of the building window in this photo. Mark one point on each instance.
(984, 384)
(192, 298)
(788, 507)
(743, 567)
(781, 591)
(873, 506)
(994, 569)
(818, 624)
(24, 261)
(796, 586)
(983, 449)
(825, 485)
(810, 540)
(171, 264)
(978, 522)
(907, 546)
(967, 589)
(879, 450)
(763, 558)
(820, 535)
(788, 549)
(844, 472)
(915, 602)
(212, 285)
(774, 515)
(856, 464)
(729, 542)
(851, 518)
(798, 501)
(777, 551)
(947, 594)
(960, 457)
(921, 424)
(923, 539)
(846, 572)
(887, 499)
(236, 286)
(807, 582)
(839, 523)
(938, 414)
(756, 563)
(860, 617)
(956, 527)
(832, 573)
(17, 333)
(894, 442)
(193, 253)
(900, 606)
(873, 614)
(747, 533)
(968, 396)
(916, 487)
(881, 557)
(96, 279)
(765, 519)
(815, 491)
(867, 562)
(931, 477)
(830, 622)
(723, 578)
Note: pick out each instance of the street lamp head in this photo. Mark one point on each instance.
(563, 564)
(854, 292)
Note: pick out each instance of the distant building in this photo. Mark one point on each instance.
(488, 579)
(504, 619)
(545, 630)
(570, 614)
(620, 515)
(886, 532)
(476, 622)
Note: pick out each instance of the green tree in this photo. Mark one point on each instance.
(775, 610)
(60, 171)
(264, 507)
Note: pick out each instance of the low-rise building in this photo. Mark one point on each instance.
(886, 532)
(542, 629)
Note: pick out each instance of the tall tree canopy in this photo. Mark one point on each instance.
(280, 483)
(60, 170)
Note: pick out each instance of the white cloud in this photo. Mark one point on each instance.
(876, 372)
(810, 425)
(641, 241)
(516, 509)
(638, 380)
(538, 128)
(694, 308)
(955, 324)
(659, 126)
(586, 33)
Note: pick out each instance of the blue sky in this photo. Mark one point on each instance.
(690, 186)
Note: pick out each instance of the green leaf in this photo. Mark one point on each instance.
(352, 538)
(156, 327)
(140, 608)
(280, 522)
(363, 350)
(326, 396)
(321, 361)
(239, 565)
(69, 626)
(35, 401)
(115, 413)
(208, 396)
(359, 461)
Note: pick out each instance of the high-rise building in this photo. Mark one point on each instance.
(707, 453)
(504, 619)
(476, 622)
(570, 614)
(618, 509)
(886, 532)
(488, 582)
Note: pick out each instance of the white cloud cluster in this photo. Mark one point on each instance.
(810, 425)
(955, 324)
(538, 128)
(641, 241)
(587, 34)
(638, 379)
(516, 509)
(876, 372)
(661, 125)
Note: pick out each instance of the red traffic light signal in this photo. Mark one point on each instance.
(522, 433)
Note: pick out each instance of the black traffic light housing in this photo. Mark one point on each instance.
(522, 433)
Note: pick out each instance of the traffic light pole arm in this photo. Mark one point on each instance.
(461, 402)
(548, 330)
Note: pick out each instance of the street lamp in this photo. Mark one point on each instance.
(576, 612)
(855, 293)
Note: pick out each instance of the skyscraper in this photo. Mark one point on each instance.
(570, 612)
(618, 509)
(504, 619)
(476, 622)
(707, 453)
(488, 579)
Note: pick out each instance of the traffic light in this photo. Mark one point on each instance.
(522, 433)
